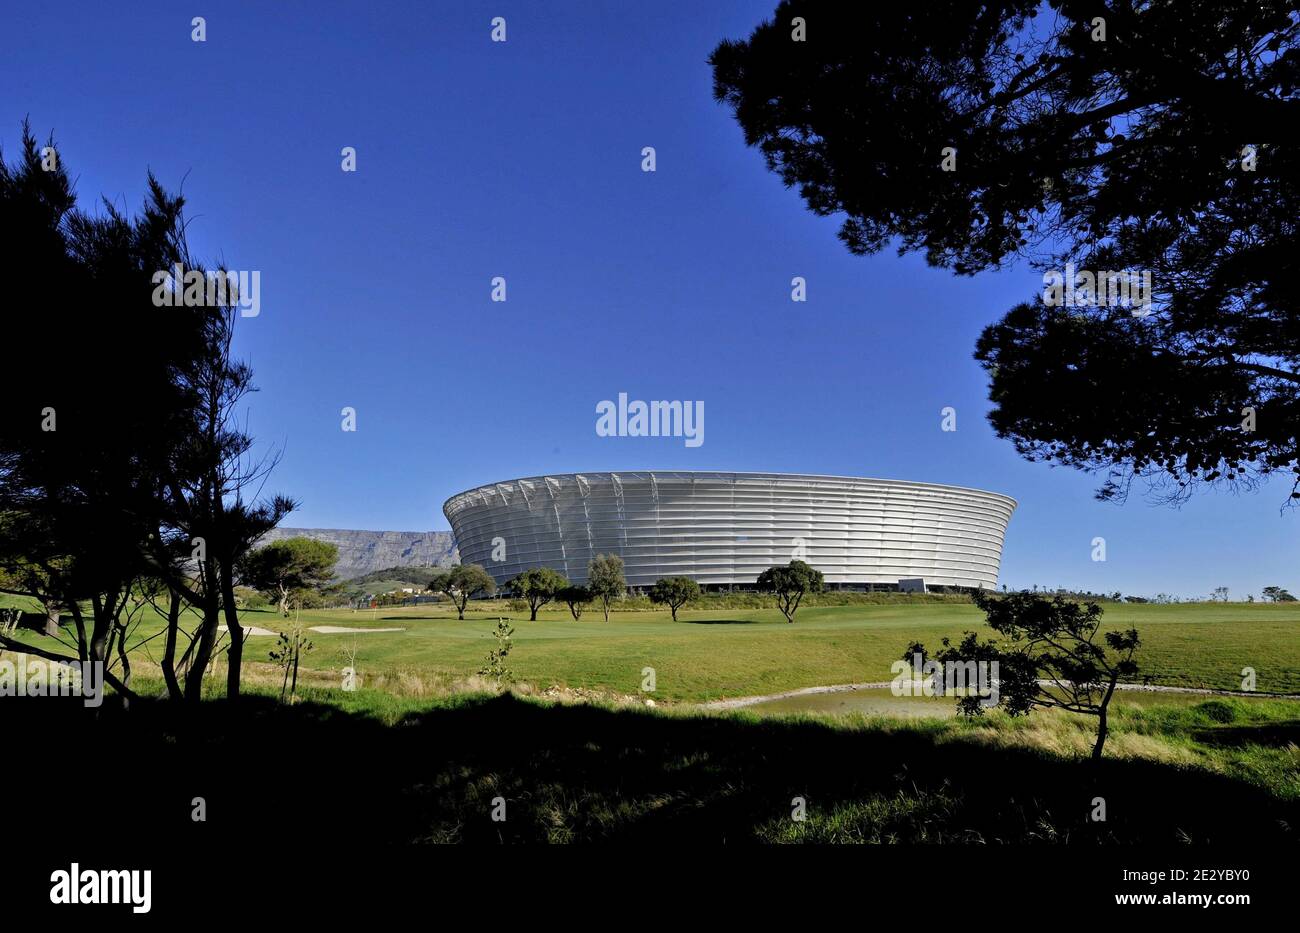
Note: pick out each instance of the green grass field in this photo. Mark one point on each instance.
(714, 654)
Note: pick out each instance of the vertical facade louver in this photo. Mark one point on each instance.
(726, 528)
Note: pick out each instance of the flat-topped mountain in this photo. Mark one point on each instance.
(362, 552)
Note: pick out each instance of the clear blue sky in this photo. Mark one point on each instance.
(522, 159)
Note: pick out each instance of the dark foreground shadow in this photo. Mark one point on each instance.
(1272, 734)
(321, 777)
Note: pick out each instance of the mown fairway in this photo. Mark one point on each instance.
(712, 654)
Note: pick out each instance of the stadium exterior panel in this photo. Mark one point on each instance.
(724, 529)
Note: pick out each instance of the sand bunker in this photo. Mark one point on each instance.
(343, 630)
(250, 630)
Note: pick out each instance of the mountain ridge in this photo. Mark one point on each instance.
(362, 552)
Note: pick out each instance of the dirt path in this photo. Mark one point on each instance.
(741, 702)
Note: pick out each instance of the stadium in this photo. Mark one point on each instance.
(723, 529)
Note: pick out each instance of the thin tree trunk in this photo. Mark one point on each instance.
(235, 654)
(126, 665)
(1101, 718)
(83, 649)
(297, 644)
(202, 656)
(169, 650)
(207, 634)
(101, 630)
(113, 633)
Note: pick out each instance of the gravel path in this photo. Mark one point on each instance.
(741, 702)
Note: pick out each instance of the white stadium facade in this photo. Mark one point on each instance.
(723, 529)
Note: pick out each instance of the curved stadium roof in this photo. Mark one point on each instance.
(726, 528)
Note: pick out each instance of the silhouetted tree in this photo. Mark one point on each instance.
(1138, 137)
(1053, 657)
(92, 402)
(203, 483)
(124, 467)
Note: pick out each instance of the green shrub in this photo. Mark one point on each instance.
(1217, 710)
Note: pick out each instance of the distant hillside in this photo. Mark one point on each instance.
(391, 578)
(420, 575)
(363, 552)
